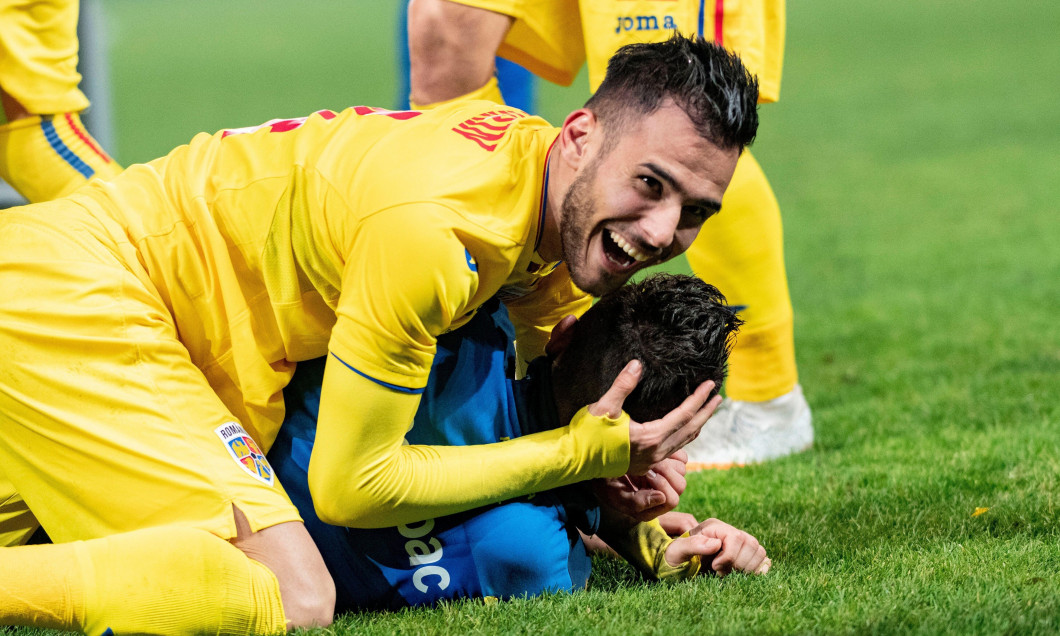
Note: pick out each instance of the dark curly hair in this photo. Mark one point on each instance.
(709, 83)
(680, 328)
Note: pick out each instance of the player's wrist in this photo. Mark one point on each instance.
(601, 443)
(664, 570)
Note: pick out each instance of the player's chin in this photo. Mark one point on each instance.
(604, 267)
(598, 279)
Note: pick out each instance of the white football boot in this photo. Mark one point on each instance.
(741, 433)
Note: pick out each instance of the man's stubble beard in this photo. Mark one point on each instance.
(575, 226)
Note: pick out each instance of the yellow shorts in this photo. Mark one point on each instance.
(38, 55)
(546, 37)
(105, 423)
(552, 38)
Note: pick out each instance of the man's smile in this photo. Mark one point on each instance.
(620, 252)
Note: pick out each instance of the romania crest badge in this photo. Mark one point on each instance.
(245, 451)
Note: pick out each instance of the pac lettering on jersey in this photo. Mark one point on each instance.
(645, 23)
(488, 128)
(245, 451)
(424, 554)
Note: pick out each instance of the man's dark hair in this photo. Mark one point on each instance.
(710, 84)
(679, 327)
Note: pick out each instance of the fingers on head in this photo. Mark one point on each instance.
(629, 376)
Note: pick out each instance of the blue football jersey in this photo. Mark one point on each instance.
(521, 547)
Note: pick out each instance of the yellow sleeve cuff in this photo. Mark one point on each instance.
(608, 436)
(644, 547)
(664, 571)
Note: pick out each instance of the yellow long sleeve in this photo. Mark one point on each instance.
(361, 474)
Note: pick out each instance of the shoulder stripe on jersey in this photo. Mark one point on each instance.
(61, 149)
(394, 387)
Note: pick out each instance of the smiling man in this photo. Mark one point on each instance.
(641, 198)
(152, 322)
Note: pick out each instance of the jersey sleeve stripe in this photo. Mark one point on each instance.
(393, 387)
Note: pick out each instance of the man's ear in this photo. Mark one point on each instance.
(561, 337)
(575, 135)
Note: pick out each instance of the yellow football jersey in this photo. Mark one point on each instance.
(545, 38)
(366, 232)
(170, 305)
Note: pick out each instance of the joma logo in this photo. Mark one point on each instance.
(645, 23)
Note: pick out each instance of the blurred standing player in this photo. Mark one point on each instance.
(152, 320)
(452, 45)
(45, 151)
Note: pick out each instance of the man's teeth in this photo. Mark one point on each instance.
(634, 253)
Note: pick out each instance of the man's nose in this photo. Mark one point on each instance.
(659, 227)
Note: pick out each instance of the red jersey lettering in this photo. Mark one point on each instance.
(488, 128)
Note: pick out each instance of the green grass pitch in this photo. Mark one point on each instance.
(916, 156)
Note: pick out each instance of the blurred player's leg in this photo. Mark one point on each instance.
(517, 85)
(45, 151)
(741, 251)
(170, 580)
(452, 49)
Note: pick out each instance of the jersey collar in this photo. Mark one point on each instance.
(538, 265)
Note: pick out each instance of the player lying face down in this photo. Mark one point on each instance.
(678, 326)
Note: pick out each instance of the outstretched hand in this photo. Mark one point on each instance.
(733, 550)
(652, 442)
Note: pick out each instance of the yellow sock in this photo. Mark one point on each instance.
(741, 251)
(44, 157)
(170, 580)
(490, 91)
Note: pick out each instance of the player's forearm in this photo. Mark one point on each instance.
(423, 482)
(361, 475)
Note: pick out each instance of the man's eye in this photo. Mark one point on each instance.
(652, 184)
(699, 212)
